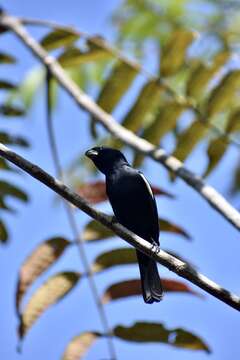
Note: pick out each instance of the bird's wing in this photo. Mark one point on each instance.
(133, 203)
(153, 206)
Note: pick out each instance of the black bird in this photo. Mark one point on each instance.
(134, 207)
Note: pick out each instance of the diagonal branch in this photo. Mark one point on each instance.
(167, 260)
(216, 200)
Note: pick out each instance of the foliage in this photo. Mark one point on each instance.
(202, 83)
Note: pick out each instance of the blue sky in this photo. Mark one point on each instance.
(215, 247)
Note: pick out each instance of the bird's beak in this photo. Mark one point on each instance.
(91, 154)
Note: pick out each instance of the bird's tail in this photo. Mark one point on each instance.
(151, 284)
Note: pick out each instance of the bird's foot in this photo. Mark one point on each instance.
(155, 248)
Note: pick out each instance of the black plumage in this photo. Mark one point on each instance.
(135, 208)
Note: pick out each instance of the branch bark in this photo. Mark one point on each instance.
(216, 200)
(167, 260)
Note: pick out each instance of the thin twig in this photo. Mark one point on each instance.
(138, 67)
(162, 257)
(73, 225)
(216, 200)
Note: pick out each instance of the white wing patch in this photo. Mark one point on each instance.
(147, 184)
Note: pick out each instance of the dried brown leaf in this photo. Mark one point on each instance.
(79, 345)
(45, 255)
(53, 290)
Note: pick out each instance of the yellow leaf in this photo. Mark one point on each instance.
(48, 294)
(189, 139)
(145, 106)
(203, 74)
(58, 38)
(73, 56)
(174, 52)
(233, 123)
(216, 150)
(164, 122)
(116, 85)
(223, 96)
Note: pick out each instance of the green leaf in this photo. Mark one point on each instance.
(235, 186)
(116, 257)
(53, 87)
(7, 59)
(128, 288)
(9, 189)
(11, 110)
(73, 56)
(174, 51)
(51, 292)
(189, 139)
(3, 232)
(216, 150)
(79, 345)
(203, 74)
(145, 106)
(223, 95)
(94, 230)
(32, 82)
(27, 90)
(165, 121)
(4, 165)
(6, 85)
(115, 88)
(187, 340)
(58, 38)
(156, 332)
(8, 139)
(168, 226)
(40, 260)
(140, 26)
(79, 76)
(4, 206)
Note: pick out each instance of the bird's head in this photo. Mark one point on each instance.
(105, 158)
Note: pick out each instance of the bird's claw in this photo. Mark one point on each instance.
(155, 248)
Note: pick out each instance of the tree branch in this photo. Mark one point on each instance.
(217, 201)
(167, 260)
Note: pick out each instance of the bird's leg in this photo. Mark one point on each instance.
(155, 247)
